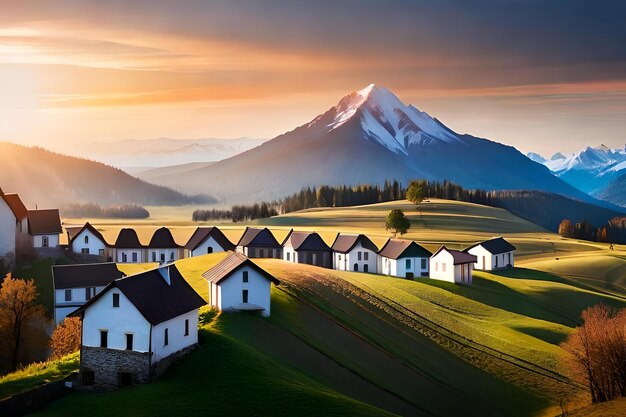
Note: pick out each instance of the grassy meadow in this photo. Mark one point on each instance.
(354, 343)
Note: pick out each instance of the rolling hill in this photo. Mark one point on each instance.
(46, 179)
(368, 137)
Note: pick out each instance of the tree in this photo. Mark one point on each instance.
(415, 192)
(19, 311)
(66, 337)
(598, 353)
(566, 228)
(397, 221)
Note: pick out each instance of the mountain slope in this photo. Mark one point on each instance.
(48, 179)
(369, 136)
(615, 191)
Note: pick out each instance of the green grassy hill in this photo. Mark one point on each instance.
(341, 343)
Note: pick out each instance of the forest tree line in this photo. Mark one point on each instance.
(614, 231)
(93, 210)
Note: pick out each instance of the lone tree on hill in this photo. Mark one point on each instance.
(398, 222)
(415, 193)
(19, 313)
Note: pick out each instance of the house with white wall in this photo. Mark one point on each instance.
(45, 227)
(238, 284)
(403, 258)
(354, 253)
(7, 232)
(492, 254)
(74, 285)
(128, 248)
(89, 241)
(259, 243)
(163, 248)
(307, 248)
(135, 325)
(205, 240)
(452, 266)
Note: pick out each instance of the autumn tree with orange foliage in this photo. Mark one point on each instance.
(21, 317)
(598, 353)
(66, 337)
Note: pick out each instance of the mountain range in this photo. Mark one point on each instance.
(598, 171)
(368, 137)
(47, 179)
(160, 152)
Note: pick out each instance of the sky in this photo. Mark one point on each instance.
(541, 76)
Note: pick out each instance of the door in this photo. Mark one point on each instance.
(356, 267)
(366, 268)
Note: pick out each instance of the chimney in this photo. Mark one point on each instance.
(165, 273)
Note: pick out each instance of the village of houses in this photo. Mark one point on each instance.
(134, 326)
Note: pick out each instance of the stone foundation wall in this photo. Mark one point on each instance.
(107, 364)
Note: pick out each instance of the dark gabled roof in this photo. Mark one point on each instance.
(458, 256)
(345, 243)
(306, 241)
(128, 239)
(232, 262)
(203, 233)
(400, 248)
(44, 222)
(73, 234)
(495, 246)
(85, 275)
(16, 205)
(162, 239)
(156, 300)
(254, 237)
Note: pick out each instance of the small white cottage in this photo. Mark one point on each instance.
(163, 248)
(259, 243)
(128, 248)
(452, 266)
(7, 231)
(134, 324)
(493, 254)
(354, 253)
(74, 285)
(238, 284)
(403, 258)
(207, 240)
(45, 227)
(307, 248)
(88, 241)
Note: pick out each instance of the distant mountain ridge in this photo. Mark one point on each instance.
(368, 137)
(161, 152)
(47, 179)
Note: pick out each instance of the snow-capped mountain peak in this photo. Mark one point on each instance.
(385, 119)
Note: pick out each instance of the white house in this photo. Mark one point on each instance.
(452, 266)
(307, 248)
(236, 284)
(45, 227)
(259, 243)
(133, 324)
(74, 285)
(7, 231)
(88, 241)
(128, 248)
(207, 240)
(163, 248)
(354, 253)
(493, 254)
(403, 258)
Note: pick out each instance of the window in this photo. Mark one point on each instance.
(172, 256)
(443, 267)
(261, 253)
(366, 255)
(134, 256)
(124, 258)
(116, 300)
(86, 240)
(424, 265)
(104, 338)
(358, 256)
(408, 264)
(44, 241)
(154, 257)
(166, 337)
(436, 266)
(209, 249)
(162, 257)
(101, 252)
(245, 276)
(245, 296)
(186, 327)
(90, 292)
(288, 256)
(85, 251)
(89, 377)
(68, 295)
(125, 379)
(496, 261)
(129, 341)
